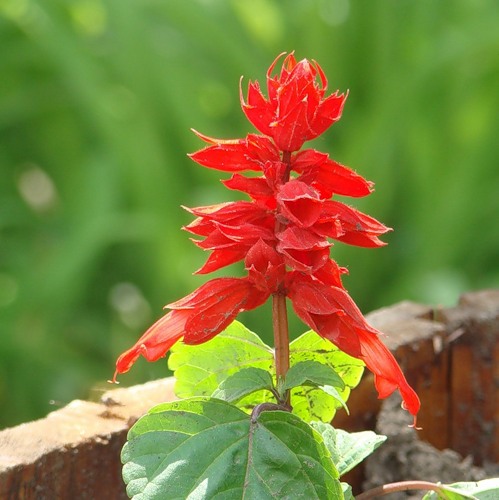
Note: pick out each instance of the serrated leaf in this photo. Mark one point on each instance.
(312, 373)
(243, 383)
(207, 448)
(348, 449)
(487, 489)
(314, 404)
(200, 369)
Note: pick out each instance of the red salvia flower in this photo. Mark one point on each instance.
(296, 109)
(283, 233)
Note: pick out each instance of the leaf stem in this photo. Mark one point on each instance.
(386, 489)
(259, 409)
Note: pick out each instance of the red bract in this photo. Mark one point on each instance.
(296, 109)
(196, 318)
(331, 312)
(283, 233)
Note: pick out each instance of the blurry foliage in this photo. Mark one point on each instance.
(96, 100)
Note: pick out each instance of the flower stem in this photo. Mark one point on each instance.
(279, 312)
(281, 337)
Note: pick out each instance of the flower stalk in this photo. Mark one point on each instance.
(281, 337)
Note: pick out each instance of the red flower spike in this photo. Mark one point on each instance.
(295, 110)
(282, 232)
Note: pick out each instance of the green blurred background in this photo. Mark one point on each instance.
(96, 101)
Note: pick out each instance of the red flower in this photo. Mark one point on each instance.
(283, 233)
(331, 312)
(296, 110)
(197, 318)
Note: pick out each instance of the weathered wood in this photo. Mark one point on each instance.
(474, 382)
(74, 452)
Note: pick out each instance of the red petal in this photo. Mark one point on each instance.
(212, 292)
(231, 213)
(197, 318)
(212, 140)
(300, 239)
(262, 148)
(256, 187)
(330, 273)
(155, 342)
(226, 157)
(388, 375)
(200, 227)
(247, 233)
(306, 295)
(321, 74)
(219, 308)
(328, 176)
(220, 258)
(290, 131)
(307, 261)
(351, 333)
(299, 203)
(266, 268)
(328, 112)
(215, 240)
(360, 229)
(274, 83)
(258, 110)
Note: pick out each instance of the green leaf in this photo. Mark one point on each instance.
(242, 383)
(347, 491)
(207, 448)
(332, 391)
(487, 489)
(312, 373)
(311, 403)
(348, 449)
(200, 369)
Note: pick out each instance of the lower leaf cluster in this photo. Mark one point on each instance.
(231, 437)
